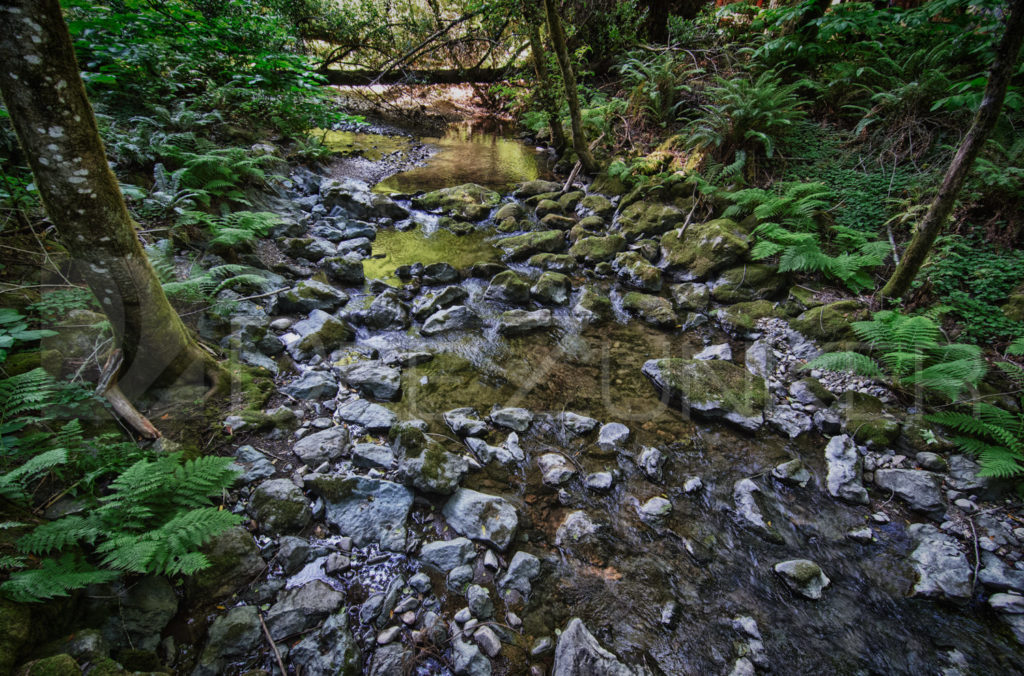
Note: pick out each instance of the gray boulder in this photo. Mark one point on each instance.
(521, 322)
(455, 318)
(373, 379)
(921, 490)
(465, 422)
(309, 295)
(232, 637)
(713, 389)
(367, 510)
(522, 570)
(555, 469)
(804, 577)
(844, 470)
(749, 511)
(372, 417)
(432, 301)
(331, 651)
(302, 608)
(942, 569)
(612, 437)
(448, 554)
(312, 385)
(278, 506)
(483, 517)
(325, 446)
(517, 419)
(579, 654)
(575, 424)
(386, 312)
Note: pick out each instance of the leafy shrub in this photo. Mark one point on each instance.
(908, 350)
(656, 83)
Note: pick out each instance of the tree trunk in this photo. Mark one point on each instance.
(985, 119)
(545, 91)
(41, 87)
(657, 21)
(579, 141)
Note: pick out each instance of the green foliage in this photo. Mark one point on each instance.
(974, 279)
(231, 228)
(55, 305)
(746, 114)
(153, 520)
(789, 221)
(909, 351)
(14, 329)
(656, 82)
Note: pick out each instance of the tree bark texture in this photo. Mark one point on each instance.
(54, 122)
(579, 141)
(545, 90)
(984, 121)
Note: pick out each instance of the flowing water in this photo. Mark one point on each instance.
(700, 557)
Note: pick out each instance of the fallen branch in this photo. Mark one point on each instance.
(273, 646)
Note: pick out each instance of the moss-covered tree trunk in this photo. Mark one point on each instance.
(579, 141)
(984, 121)
(41, 87)
(545, 90)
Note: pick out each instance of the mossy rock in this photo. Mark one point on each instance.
(593, 307)
(634, 270)
(648, 219)
(598, 249)
(548, 206)
(536, 187)
(510, 210)
(521, 247)
(570, 200)
(713, 389)
(703, 249)
(608, 185)
(557, 222)
(598, 206)
(106, 667)
(15, 628)
(654, 310)
(804, 297)
(330, 336)
(58, 665)
(741, 319)
(690, 296)
(744, 283)
(831, 323)
(552, 288)
(234, 561)
(508, 287)
(535, 200)
(554, 262)
(467, 202)
(455, 225)
(867, 420)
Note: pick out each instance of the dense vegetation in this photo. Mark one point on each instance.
(832, 129)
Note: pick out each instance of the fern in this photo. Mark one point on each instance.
(12, 484)
(54, 578)
(854, 362)
(994, 436)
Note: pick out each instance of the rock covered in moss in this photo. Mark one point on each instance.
(647, 219)
(279, 506)
(553, 262)
(714, 389)
(521, 247)
(424, 463)
(634, 270)
(866, 418)
(690, 296)
(536, 187)
(654, 310)
(309, 295)
(703, 249)
(593, 307)
(830, 323)
(330, 650)
(804, 577)
(470, 202)
(552, 288)
(15, 625)
(508, 287)
(597, 205)
(234, 560)
(597, 249)
(740, 319)
(345, 270)
(319, 333)
(232, 637)
(754, 281)
(367, 510)
(57, 665)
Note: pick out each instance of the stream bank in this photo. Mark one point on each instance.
(535, 431)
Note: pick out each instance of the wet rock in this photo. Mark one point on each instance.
(320, 447)
(654, 310)
(140, 613)
(431, 468)
(355, 198)
(721, 351)
(804, 577)
(431, 302)
(521, 322)
(232, 637)
(373, 379)
(439, 273)
(391, 659)
(309, 295)
(255, 465)
(652, 462)
(655, 509)
(575, 424)
(359, 245)
(521, 247)
(459, 578)
(598, 205)
(448, 554)
(690, 296)
(479, 601)
(517, 419)
(593, 307)
(234, 560)
(997, 575)
(747, 509)
(468, 660)
(345, 270)
(319, 333)
(612, 436)
(921, 490)
(552, 288)
(748, 282)
(597, 249)
(793, 473)
(634, 271)
(536, 187)
(301, 608)
(367, 510)
(465, 422)
(387, 311)
(741, 320)
(310, 248)
(703, 249)
(469, 202)
(933, 462)
(830, 323)
(554, 262)
(942, 569)
(599, 481)
(510, 210)
(789, 420)
(712, 389)
(576, 528)
(278, 506)
(844, 470)
(646, 219)
(508, 287)
(292, 553)
(487, 518)
(522, 570)
(579, 654)
(372, 417)
(867, 420)
(488, 641)
(555, 469)
(508, 453)
(810, 392)
(455, 318)
(760, 359)
(372, 455)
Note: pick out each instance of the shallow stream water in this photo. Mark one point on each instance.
(700, 558)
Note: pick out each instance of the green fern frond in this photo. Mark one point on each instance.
(853, 362)
(54, 578)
